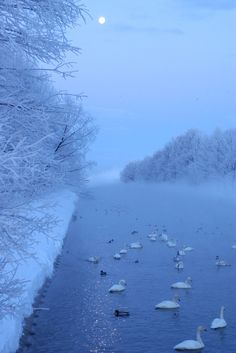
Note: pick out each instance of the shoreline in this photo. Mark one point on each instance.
(38, 274)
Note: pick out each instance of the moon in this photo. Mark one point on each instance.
(101, 20)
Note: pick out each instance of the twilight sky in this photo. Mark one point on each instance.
(154, 70)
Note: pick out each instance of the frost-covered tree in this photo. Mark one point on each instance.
(44, 134)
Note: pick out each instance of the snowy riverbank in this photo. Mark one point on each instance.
(35, 272)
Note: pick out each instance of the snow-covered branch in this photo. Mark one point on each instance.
(37, 28)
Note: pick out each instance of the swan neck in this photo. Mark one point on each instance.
(222, 313)
(199, 338)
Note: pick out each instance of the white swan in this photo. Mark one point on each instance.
(169, 304)
(94, 259)
(153, 238)
(171, 243)
(151, 235)
(123, 251)
(117, 256)
(219, 322)
(187, 248)
(163, 237)
(136, 245)
(221, 262)
(120, 287)
(183, 285)
(179, 265)
(190, 345)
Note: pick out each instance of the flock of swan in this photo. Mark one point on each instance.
(217, 323)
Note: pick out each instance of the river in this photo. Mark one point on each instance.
(81, 320)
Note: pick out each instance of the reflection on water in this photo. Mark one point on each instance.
(81, 309)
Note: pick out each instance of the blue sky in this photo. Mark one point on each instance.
(154, 70)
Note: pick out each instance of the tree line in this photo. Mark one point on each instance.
(194, 157)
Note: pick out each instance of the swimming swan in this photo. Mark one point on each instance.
(169, 304)
(123, 251)
(117, 256)
(136, 245)
(94, 259)
(171, 243)
(219, 322)
(190, 345)
(118, 287)
(179, 265)
(187, 248)
(152, 235)
(163, 237)
(183, 285)
(153, 238)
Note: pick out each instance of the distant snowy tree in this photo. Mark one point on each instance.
(193, 157)
(129, 172)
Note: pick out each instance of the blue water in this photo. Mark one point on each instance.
(81, 318)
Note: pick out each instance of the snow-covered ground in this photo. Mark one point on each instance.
(35, 272)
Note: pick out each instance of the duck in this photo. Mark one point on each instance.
(103, 273)
(120, 287)
(179, 265)
(117, 256)
(169, 304)
(123, 251)
(219, 322)
(134, 232)
(181, 252)
(176, 258)
(191, 345)
(136, 245)
(221, 262)
(183, 285)
(121, 313)
(94, 259)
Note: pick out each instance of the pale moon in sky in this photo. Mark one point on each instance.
(101, 20)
